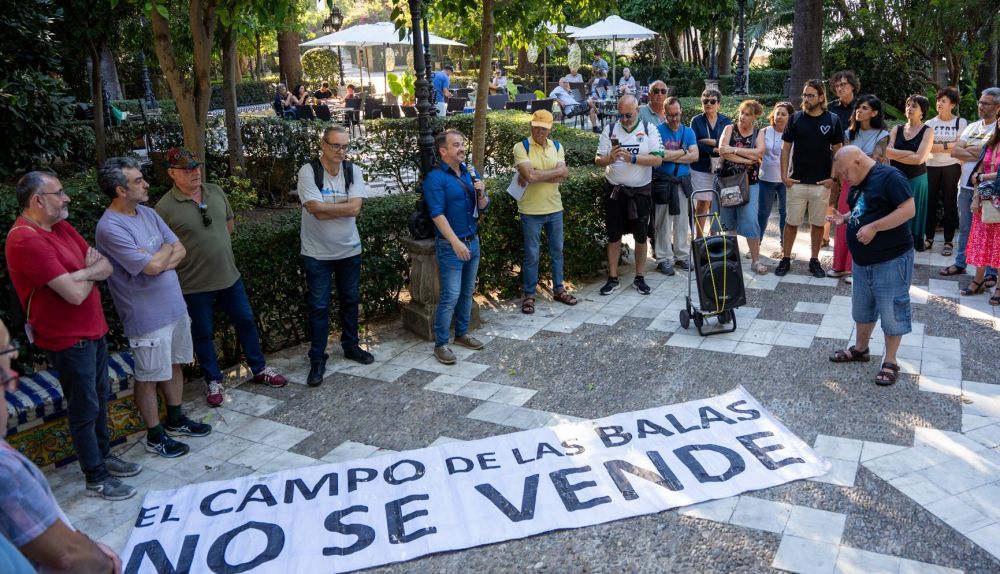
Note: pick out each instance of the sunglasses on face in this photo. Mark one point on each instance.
(709, 101)
(626, 116)
(205, 217)
(658, 91)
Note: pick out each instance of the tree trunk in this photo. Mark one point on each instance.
(807, 37)
(109, 71)
(523, 65)
(986, 74)
(258, 66)
(230, 77)
(483, 88)
(726, 50)
(675, 46)
(191, 95)
(289, 62)
(97, 97)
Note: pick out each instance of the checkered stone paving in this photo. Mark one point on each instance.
(915, 468)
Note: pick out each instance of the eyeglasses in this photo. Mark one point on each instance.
(13, 349)
(987, 104)
(677, 115)
(658, 91)
(841, 85)
(338, 147)
(60, 193)
(205, 217)
(709, 101)
(626, 116)
(809, 96)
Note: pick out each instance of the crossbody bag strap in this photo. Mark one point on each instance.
(27, 310)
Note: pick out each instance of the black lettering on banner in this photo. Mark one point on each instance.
(206, 503)
(390, 477)
(736, 464)
(666, 477)
(396, 521)
(265, 496)
(145, 513)
(365, 533)
(613, 436)
(545, 448)
(752, 414)
(294, 484)
(748, 442)
(519, 458)
(707, 420)
(452, 469)
(158, 557)
(166, 515)
(567, 491)
(514, 514)
(647, 427)
(576, 448)
(677, 425)
(353, 478)
(485, 458)
(216, 558)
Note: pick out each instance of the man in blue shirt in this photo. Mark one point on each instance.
(440, 82)
(455, 197)
(599, 63)
(881, 245)
(670, 219)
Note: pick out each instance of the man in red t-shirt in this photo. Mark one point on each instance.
(55, 272)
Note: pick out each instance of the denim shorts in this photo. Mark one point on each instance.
(883, 290)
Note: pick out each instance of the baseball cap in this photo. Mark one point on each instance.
(541, 119)
(181, 158)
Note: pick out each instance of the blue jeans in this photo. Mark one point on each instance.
(458, 281)
(883, 290)
(234, 302)
(768, 189)
(964, 226)
(347, 273)
(531, 225)
(741, 220)
(83, 376)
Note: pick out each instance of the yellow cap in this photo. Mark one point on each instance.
(541, 119)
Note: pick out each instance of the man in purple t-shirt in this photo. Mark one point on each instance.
(144, 253)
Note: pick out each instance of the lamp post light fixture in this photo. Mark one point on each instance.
(147, 84)
(741, 85)
(420, 225)
(332, 24)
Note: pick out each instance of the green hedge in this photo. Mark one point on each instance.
(248, 93)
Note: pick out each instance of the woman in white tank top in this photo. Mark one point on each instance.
(770, 168)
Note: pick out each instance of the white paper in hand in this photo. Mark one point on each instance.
(515, 189)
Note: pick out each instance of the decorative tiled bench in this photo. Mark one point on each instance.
(37, 424)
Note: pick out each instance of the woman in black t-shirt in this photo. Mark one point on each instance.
(740, 153)
(909, 147)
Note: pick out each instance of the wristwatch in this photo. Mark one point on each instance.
(635, 158)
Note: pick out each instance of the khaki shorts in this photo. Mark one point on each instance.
(802, 198)
(156, 353)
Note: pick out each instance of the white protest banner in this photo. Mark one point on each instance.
(363, 513)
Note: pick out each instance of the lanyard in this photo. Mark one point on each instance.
(471, 206)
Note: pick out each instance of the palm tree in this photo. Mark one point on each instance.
(807, 42)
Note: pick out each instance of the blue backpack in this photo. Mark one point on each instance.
(524, 142)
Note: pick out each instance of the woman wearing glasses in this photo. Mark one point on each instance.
(707, 127)
(909, 147)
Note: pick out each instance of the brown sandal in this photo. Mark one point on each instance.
(851, 355)
(948, 249)
(566, 297)
(887, 375)
(528, 305)
(952, 270)
(974, 288)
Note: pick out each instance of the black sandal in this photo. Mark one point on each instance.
(970, 290)
(948, 249)
(951, 270)
(990, 282)
(851, 355)
(887, 375)
(928, 244)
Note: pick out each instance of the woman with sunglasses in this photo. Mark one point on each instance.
(771, 185)
(867, 132)
(741, 153)
(707, 127)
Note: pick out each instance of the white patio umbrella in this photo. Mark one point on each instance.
(614, 28)
(377, 34)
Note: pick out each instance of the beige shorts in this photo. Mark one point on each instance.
(803, 198)
(156, 353)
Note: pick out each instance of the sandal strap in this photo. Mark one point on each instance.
(891, 366)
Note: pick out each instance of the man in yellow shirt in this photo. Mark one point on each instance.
(541, 165)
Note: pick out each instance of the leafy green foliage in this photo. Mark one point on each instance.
(27, 41)
(240, 191)
(320, 64)
(36, 115)
(890, 71)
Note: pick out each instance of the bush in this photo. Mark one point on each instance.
(167, 106)
(35, 113)
(319, 64)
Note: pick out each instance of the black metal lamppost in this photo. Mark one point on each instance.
(333, 24)
(740, 84)
(147, 84)
(420, 225)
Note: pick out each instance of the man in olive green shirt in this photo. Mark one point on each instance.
(201, 217)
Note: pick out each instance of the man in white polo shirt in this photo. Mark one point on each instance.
(628, 150)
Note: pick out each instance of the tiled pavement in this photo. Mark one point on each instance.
(950, 475)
